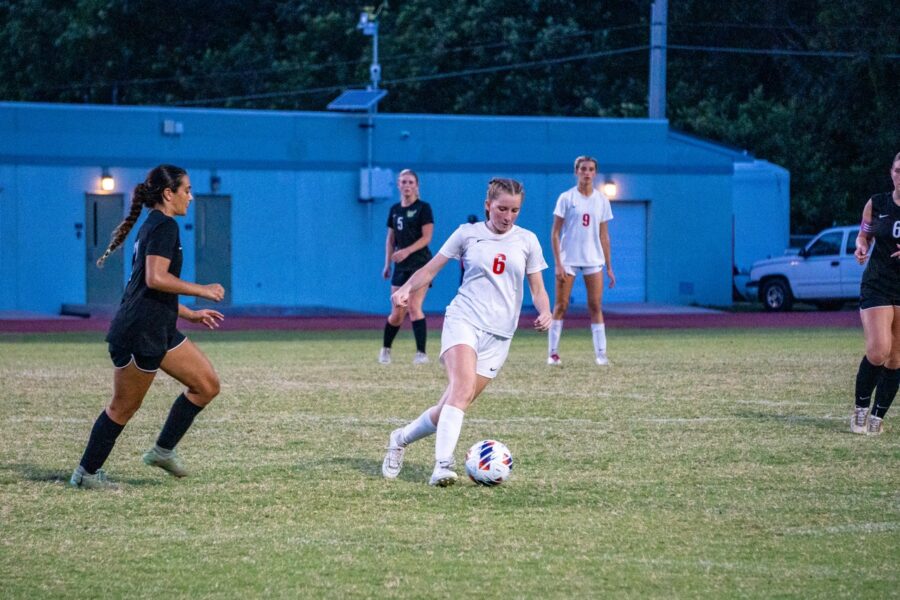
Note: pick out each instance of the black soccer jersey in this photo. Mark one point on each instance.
(407, 223)
(883, 272)
(146, 317)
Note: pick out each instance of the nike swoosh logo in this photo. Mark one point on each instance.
(493, 369)
(882, 216)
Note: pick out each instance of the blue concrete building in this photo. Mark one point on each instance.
(279, 221)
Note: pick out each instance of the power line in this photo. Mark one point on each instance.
(433, 77)
(768, 26)
(782, 52)
(329, 64)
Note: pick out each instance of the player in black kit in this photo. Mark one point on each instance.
(142, 336)
(879, 308)
(410, 227)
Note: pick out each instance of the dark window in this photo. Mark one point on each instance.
(827, 245)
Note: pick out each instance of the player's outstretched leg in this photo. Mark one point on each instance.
(401, 437)
(188, 365)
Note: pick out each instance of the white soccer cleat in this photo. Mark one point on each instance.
(384, 357)
(554, 360)
(393, 460)
(602, 360)
(874, 427)
(443, 475)
(421, 359)
(858, 419)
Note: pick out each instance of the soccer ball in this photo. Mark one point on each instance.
(489, 462)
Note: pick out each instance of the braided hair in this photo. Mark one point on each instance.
(500, 185)
(148, 193)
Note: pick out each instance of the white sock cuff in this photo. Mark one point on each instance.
(598, 326)
(452, 414)
(557, 324)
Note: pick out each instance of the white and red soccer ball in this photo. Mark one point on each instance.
(489, 462)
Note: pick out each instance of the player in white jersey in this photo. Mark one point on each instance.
(479, 322)
(580, 238)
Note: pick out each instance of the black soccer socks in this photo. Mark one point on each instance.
(181, 415)
(390, 332)
(100, 444)
(887, 389)
(420, 331)
(866, 379)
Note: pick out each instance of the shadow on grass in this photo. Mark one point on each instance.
(38, 474)
(411, 471)
(798, 420)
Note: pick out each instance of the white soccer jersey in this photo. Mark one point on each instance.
(492, 289)
(579, 241)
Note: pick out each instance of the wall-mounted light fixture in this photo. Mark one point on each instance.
(609, 188)
(215, 182)
(107, 183)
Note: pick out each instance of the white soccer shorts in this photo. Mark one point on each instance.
(570, 270)
(490, 349)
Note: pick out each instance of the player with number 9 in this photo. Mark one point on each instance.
(580, 238)
(480, 321)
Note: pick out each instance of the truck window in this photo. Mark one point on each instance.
(827, 245)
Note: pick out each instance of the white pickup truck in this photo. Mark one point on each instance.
(824, 273)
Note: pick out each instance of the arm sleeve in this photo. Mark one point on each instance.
(535, 261)
(390, 220)
(163, 240)
(560, 210)
(454, 246)
(606, 211)
(427, 216)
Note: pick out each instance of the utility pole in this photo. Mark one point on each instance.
(656, 104)
(368, 24)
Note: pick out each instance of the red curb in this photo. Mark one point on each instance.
(841, 319)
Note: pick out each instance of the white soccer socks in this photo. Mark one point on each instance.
(553, 336)
(448, 428)
(418, 429)
(598, 333)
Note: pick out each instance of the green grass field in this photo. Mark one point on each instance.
(702, 464)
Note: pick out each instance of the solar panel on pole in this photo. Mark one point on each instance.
(360, 100)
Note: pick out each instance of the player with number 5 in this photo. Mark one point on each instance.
(580, 239)
(480, 321)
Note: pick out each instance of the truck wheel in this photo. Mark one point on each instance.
(776, 295)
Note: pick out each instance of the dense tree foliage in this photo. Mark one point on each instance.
(825, 106)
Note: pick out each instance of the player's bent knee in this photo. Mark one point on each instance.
(206, 389)
(878, 356)
(121, 414)
(212, 386)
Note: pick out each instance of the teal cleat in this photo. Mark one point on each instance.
(98, 481)
(171, 463)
